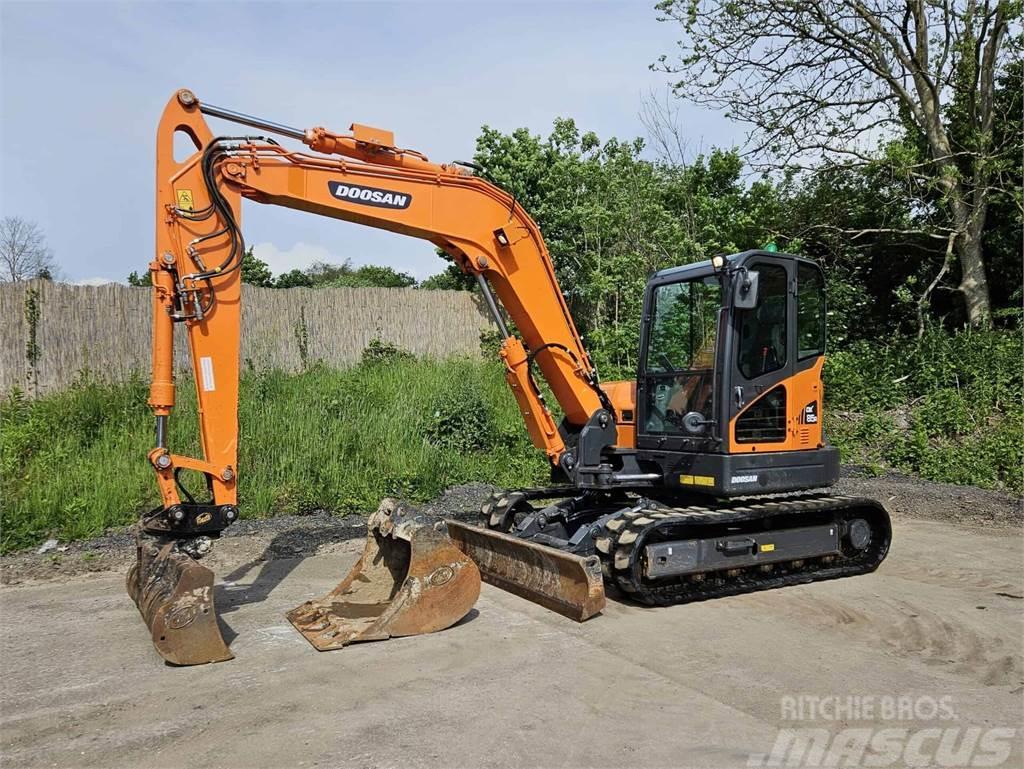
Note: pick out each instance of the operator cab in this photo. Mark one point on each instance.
(729, 381)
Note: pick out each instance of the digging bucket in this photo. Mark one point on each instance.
(174, 594)
(410, 579)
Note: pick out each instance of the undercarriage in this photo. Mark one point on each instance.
(667, 551)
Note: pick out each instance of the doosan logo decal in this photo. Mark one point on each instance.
(369, 196)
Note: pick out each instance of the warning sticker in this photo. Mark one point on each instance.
(696, 480)
(206, 371)
(185, 200)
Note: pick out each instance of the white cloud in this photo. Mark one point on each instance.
(298, 257)
(93, 282)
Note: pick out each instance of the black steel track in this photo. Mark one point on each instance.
(622, 543)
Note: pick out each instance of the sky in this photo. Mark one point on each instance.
(82, 86)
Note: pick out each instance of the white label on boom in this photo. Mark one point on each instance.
(206, 369)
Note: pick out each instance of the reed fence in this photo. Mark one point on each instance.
(53, 331)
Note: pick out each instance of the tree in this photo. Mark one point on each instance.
(139, 280)
(821, 79)
(255, 271)
(450, 279)
(293, 279)
(610, 218)
(324, 275)
(23, 251)
(365, 276)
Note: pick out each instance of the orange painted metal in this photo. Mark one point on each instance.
(802, 389)
(482, 227)
(214, 340)
(363, 178)
(623, 398)
(461, 214)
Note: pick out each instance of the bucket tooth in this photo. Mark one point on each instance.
(410, 579)
(569, 584)
(174, 594)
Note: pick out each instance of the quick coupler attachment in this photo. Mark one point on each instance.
(172, 591)
(411, 579)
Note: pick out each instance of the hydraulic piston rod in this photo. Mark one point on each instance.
(188, 98)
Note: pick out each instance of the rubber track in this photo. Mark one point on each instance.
(622, 542)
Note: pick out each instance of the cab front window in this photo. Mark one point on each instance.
(680, 359)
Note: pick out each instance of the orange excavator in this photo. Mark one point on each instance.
(703, 477)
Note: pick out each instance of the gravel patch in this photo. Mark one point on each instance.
(251, 541)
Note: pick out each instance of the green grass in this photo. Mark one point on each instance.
(947, 407)
(74, 463)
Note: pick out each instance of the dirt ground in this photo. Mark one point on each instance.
(928, 649)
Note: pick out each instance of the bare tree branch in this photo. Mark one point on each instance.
(23, 251)
(830, 80)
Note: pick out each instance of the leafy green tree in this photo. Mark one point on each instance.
(451, 279)
(293, 279)
(324, 275)
(611, 217)
(255, 271)
(372, 275)
(822, 78)
(141, 281)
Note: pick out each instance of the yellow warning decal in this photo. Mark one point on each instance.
(697, 480)
(185, 200)
(767, 548)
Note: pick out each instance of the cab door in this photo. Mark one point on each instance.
(763, 360)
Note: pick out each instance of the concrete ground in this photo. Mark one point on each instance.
(704, 685)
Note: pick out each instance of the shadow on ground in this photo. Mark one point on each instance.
(279, 558)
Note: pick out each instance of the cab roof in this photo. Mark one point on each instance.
(703, 269)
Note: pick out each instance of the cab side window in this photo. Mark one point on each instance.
(810, 312)
(762, 347)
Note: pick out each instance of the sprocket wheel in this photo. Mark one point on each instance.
(504, 509)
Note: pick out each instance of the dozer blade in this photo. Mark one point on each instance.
(174, 594)
(568, 584)
(410, 579)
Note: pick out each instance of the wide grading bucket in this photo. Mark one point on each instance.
(411, 579)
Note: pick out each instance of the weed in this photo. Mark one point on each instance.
(72, 464)
(379, 351)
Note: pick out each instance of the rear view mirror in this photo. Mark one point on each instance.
(745, 290)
